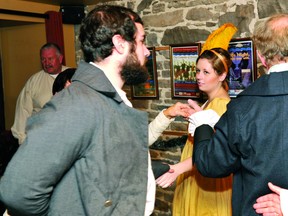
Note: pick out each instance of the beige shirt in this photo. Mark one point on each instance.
(35, 94)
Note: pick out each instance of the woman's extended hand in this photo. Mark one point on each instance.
(168, 178)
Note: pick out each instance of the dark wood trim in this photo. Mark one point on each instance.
(162, 48)
(23, 13)
(175, 133)
(2, 113)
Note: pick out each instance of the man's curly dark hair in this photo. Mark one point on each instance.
(100, 25)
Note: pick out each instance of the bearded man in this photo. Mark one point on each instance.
(79, 154)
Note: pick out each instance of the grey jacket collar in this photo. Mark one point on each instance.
(95, 79)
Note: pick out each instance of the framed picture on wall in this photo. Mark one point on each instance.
(183, 70)
(243, 70)
(149, 89)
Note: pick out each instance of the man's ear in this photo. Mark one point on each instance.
(119, 44)
(262, 59)
(61, 58)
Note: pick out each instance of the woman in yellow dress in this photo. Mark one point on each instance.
(196, 195)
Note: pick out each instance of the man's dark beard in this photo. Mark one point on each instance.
(133, 73)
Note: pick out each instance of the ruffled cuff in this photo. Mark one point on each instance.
(209, 117)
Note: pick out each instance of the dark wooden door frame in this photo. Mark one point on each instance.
(2, 113)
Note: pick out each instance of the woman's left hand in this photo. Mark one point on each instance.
(167, 179)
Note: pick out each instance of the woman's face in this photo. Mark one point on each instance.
(207, 78)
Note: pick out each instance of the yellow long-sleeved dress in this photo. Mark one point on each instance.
(196, 195)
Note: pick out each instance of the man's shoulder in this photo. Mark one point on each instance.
(38, 74)
(64, 68)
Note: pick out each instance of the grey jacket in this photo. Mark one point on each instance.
(86, 153)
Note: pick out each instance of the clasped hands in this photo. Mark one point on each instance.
(181, 109)
(186, 111)
(193, 113)
(196, 117)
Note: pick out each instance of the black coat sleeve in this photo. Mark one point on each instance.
(202, 133)
(214, 153)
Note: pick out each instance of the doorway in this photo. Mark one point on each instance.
(19, 59)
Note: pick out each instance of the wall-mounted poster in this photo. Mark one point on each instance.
(243, 69)
(183, 70)
(149, 89)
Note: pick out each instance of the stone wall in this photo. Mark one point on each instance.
(187, 21)
(180, 22)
